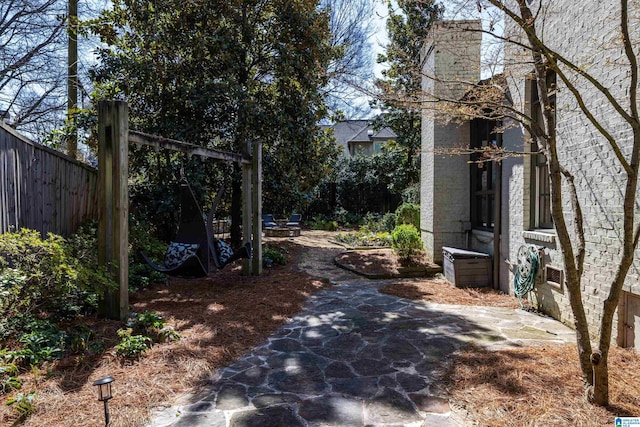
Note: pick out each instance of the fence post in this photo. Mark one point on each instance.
(113, 225)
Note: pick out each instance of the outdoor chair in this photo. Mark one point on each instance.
(268, 221)
(294, 220)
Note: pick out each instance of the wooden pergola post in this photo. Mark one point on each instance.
(247, 218)
(113, 172)
(256, 194)
(113, 225)
(252, 208)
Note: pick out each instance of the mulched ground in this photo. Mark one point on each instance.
(539, 386)
(381, 263)
(440, 290)
(219, 318)
(223, 316)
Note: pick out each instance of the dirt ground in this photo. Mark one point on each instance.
(221, 317)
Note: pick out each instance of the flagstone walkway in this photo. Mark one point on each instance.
(356, 357)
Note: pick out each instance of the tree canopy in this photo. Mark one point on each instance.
(31, 48)
(400, 86)
(350, 72)
(223, 74)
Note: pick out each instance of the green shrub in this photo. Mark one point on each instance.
(388, 222)
(142, 238)
(375, 223)
(23, 404)
(8, 377)
(408, 213)
(168, 334)
(346, 217)
(319, 223)
(153, 325)
(364, 238)
(45, 342)
(131, 346)
(42, 345)
(406, 241)
(50, 276)
(81, 338)
(147, 320)
(371, 223)
(274, 255)
(411, 194)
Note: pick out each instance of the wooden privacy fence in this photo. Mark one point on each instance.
(41, 188)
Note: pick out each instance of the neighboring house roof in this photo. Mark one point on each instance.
(358, 131)
(385, 133)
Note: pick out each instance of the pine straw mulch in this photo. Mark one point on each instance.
(219, 318)
(441, 291)
(539, 386)
(379, 262)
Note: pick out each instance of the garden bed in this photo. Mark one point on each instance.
(384, 264)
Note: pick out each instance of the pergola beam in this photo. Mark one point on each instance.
(184, 147)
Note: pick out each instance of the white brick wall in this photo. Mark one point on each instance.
(591, 40)
(452, 54)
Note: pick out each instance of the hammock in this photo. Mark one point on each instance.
(194, 247)
(188, 254)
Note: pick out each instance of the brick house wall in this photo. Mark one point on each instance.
(590, 40)
(452, 54)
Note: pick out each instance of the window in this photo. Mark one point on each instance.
(483, 175)
(361, 148)
(540, 184)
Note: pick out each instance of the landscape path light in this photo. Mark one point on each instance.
(104, 394)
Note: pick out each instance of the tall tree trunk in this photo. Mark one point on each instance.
(72, 77)
(573, 277)
(240, 143)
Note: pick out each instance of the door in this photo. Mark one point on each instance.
(632, 322)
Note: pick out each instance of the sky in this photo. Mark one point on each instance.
(380, 37)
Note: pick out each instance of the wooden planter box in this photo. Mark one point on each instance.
(467, 269)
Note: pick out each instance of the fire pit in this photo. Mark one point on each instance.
(282, 231)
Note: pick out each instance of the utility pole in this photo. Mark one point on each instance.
(72, 75)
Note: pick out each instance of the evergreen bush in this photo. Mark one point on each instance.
(274, 255)
(406, 241)
(408, 213)
(389, 222)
